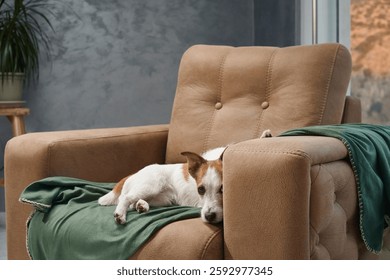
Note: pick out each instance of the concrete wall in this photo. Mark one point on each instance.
(115, 62)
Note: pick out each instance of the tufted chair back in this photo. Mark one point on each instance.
(227, 94)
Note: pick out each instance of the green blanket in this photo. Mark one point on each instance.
(69, 223)
(369, 153)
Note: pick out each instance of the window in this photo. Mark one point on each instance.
(370, 41)
(363, 27)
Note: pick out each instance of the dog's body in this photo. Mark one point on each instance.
(196, 183)
(172, 184)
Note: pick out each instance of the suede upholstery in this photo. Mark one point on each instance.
(284, 198)
(227, 95)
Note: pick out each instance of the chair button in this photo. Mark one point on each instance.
(265, 105)
(218, 105)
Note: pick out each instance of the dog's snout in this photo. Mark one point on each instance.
(210, 217)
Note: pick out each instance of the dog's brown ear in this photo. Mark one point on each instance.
(194, 162)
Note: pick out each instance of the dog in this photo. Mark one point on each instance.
(197, 183)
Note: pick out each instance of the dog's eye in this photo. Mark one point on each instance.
(201, 190)
(221, 189)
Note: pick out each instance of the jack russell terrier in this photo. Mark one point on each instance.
(197, 183)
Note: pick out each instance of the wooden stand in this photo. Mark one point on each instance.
(16, 117)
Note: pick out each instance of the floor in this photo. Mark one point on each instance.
(3, 243)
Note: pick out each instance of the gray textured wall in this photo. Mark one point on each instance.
(115, 62)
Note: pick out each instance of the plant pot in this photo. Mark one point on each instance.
(11, 88)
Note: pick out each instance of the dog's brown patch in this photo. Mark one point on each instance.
(201, 172)
(186, 173)
(119, 186)
(216, 164)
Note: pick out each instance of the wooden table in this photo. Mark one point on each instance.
(16, 116)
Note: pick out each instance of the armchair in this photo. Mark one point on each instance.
(284, 198)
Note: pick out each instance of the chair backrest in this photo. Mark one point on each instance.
(227, 94)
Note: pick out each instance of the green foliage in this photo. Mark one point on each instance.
(23, 36)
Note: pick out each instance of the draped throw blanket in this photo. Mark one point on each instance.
(369, 153)
(68, 222)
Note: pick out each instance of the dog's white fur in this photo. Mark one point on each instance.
(196, 183)
(166, 184)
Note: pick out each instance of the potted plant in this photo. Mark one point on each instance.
(23, 36)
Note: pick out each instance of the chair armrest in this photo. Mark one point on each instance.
(279, 199)
(102, 155)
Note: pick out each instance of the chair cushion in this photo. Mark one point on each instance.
(226, 94)
(189, 239)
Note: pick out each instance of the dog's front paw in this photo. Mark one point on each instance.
(141, 206)
(266, 134)
(120, 219)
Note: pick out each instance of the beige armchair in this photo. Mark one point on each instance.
(284, 198)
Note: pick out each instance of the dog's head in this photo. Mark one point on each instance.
(208, 177)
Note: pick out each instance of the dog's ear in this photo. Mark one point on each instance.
(266, 134)
(221, 156)
(194, 161)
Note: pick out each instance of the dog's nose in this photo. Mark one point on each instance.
(210, 217)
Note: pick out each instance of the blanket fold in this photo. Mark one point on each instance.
(68, 223)
(369, 153)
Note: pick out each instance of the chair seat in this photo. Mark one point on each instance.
(190, 239)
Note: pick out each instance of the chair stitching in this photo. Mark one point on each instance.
(219, 97)
(268, 90)
(294, 153)
(108, 136)
(52, 145)
(313, 246)
(317, 174)
(322, 168)
(336, 185)
(337, 188)
(208, 242)
(311, 187)
(330, 77)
